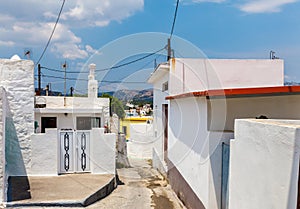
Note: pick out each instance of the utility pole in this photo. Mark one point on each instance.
(169, 49)
(65, 84)
(39, 79)
(71, 90)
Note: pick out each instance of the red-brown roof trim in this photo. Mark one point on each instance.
(240, 92)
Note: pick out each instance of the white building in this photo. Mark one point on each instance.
(70, 136)
(198, 101)
(78, 123)
(160, 79)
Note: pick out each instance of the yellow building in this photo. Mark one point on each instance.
(126, 122)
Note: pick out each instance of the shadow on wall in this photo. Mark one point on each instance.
(18, 183)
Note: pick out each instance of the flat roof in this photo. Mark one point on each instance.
(241, 92)
(161, 69)
(68, 110)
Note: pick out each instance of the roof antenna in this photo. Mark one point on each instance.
(27, 53)
(272, 55)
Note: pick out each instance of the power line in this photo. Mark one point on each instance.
(174, 20)
(72, 79)
(114, 67)
(80, 79)
(139, 59)
(62, 6)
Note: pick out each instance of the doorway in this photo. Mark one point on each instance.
(74, 151)
(165, 127)
(48, 122)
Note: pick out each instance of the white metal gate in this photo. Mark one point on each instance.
(74, 151)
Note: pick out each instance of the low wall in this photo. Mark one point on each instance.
(264, 164)
(44, 159)
(103, 152)
(141, 141)
(45, 153)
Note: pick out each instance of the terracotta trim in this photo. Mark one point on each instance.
(183, 190)
(240, 92)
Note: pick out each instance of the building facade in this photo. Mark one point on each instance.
(50, 135)
(204, 98)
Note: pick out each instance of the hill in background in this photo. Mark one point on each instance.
(133, 96)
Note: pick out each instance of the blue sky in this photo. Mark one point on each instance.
(220, 28)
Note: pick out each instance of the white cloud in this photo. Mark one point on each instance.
(82, 13)
(187, 2)
(264, 6)
(7, 43)
(213, 1)
(90, 49)
(70, 51)
(31, 22)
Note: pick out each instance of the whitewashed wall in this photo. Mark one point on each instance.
(17, 91)
(103, 152)
(141, 141)
(18, 80)
(44, 153)
(264, 164)
(188, 75)
(196, 152)
(4, 113)
(159, 98)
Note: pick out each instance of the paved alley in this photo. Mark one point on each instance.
(141, 187)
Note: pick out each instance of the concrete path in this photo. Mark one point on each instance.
(143, 188)
(71, 189)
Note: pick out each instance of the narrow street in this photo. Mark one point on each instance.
(143, 188)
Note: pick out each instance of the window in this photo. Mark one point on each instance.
(87, 123)
(165, 86)
(48, 122)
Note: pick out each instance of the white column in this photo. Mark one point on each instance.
(92, 84)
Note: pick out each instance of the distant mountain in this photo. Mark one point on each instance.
(144, 96)
(291, 83)
(132, 95)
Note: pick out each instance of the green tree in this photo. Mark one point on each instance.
(116, 105)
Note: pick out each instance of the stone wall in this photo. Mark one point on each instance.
(16, 76)
(3, 114)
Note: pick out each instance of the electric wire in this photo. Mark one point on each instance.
(113, 67)
(105, 81)
(80, 79)
(58, 17)
(174, 19)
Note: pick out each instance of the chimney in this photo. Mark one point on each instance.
(92, 84)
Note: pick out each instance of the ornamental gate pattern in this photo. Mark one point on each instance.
(74, 151)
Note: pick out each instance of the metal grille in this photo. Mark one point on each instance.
(66, 148)
(83, 149)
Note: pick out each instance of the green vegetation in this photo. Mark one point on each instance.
(116, 105)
